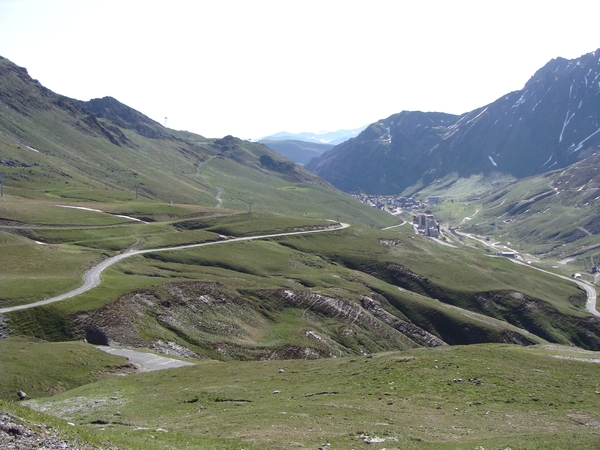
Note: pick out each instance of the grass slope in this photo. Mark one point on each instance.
(48, 368)
(302, 296)
(53, 148)
(552, 216)
(454, 397)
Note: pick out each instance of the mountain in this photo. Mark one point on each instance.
(324, 137)
(239, 260)
(103, 150)
(554, 121)
(301, 152)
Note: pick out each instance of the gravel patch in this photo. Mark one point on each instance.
(16, 434)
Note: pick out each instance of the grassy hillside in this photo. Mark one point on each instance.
(39, 368)
(324, 295)
(492, 396)
(57, 149)
(553, 217)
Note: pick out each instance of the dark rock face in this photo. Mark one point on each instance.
(553, 122)
(123, 116)
(96, 336)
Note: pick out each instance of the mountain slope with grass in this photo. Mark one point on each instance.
(554, 216)
(101, 150)
(308, 296)
(553, 122)
(487, 396)
(71, 202)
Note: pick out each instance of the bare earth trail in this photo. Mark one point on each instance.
(205, 181)
(218, 197)
(91, 279)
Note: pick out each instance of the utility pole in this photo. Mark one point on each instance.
(248, 203)
(1, 184)
(137, 186)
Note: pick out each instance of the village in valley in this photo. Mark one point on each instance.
(425, 224)
(396, 204)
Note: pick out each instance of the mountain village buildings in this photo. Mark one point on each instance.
(426, 225)
(395, 203)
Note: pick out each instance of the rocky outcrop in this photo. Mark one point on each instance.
(18, 434)
(124, 116)
(4, 332)
(415, 333)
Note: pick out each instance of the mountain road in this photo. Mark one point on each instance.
(590, 305)
(91, 279)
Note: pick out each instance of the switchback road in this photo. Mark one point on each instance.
(91, 279)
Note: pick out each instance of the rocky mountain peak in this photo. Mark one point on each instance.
(551, 123)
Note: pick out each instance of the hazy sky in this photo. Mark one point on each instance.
(255, 67)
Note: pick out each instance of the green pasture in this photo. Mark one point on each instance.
(492, 396)
(41, 368)
(32, 272)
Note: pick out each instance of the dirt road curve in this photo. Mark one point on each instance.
(92, 277)
(149, 360)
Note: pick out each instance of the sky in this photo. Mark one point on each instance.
(251, 68)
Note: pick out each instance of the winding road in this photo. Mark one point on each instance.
(91, 279)
(590, 304)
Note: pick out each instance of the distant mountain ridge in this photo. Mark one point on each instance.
(301, 152)
(554, 121)
(323, 137)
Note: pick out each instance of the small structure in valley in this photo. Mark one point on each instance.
(426, 225)
(507, 254)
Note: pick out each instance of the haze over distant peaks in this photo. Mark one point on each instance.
(323, 137)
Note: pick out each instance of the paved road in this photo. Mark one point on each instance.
(149, 360)
(590, 305)
(91, 279)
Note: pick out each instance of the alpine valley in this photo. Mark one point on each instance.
(298, 315)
